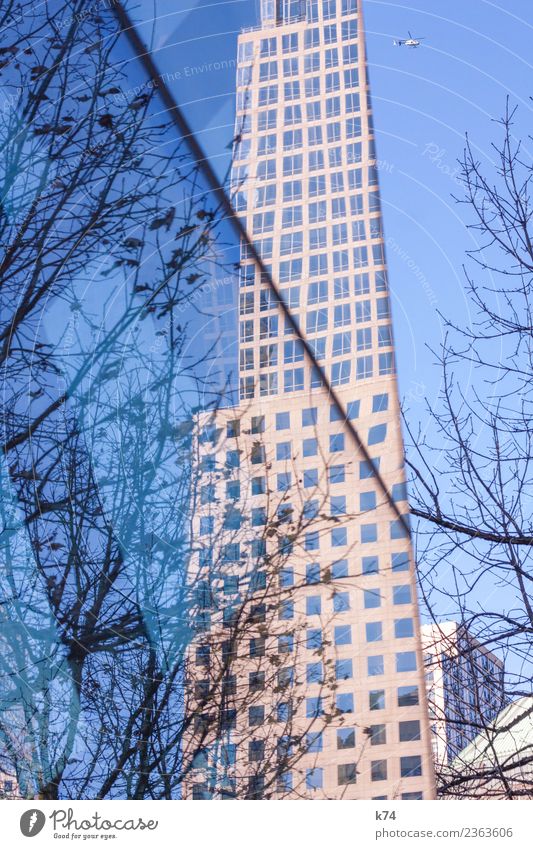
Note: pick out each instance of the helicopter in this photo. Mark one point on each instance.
(408, 42)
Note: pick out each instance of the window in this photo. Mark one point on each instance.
(256, 750)
(342, 315)
(207, 525)
(343, 635)
(406, 661)
(336, 474)
(318, 212)
(310, 447)
(339, 569)
(372, 598)
(286, 577)
(256, 715)
(292, 216)
(346, 774)
(314, 673)
(313, 742)
(340, 372)
(290, 67)
(343, 670)
(400, 562)
(258, 486)
(376, 700)
(378, 735)
(310, 478)
(284, 710)
(386, 363)
(411, 765)
(349, 7)
(293, 351)
(314, 778)
(336, 442)
(314, 638)
(401, 594)
(292, 190)
(339, 537)
(399, 492)
(374, 632)
(369, 533)
(351, 80)
(367, 501)
(338, 505)
(283, 451)
(285, 643)
(317, 320)
(409, 731)
(258, 515)
(313, 707)
(363, 367)
(378, 770)
(377, 434)
(364, 338)
(317, 238)
(370, 565)
(289, 43)
(403, 628)
(312, 573)
(333, 82)
(268, 327)
(283, 421)
(341, 602)
(344, 702)
(407, 696)
(341, 288)
(313, 605)
(375, 665)
(312, 86)
(286, 610)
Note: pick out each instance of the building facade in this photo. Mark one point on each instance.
(498, 762)
(465, 685)
(322, 688)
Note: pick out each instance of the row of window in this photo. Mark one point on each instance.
(311, 85)
(336, 473)
(319, 291)
(308, 417)
(336, 538)
(286, 11)
(340, 375)
(310, 509)
(316, 320)
(342, 344)
(266, 120)
(338, 261)
(407, 696)
(314, 574)
(294, 165)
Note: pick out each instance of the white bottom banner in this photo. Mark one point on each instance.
(276, 825)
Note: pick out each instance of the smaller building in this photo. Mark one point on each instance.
(465, 685)
(498, 763)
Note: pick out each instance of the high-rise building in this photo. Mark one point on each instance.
(288, 505)
(465, 684)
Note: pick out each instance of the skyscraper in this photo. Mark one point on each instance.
(465, 683)
(288, 502)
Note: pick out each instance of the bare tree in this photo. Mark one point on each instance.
(110, 239)
(471, 470)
